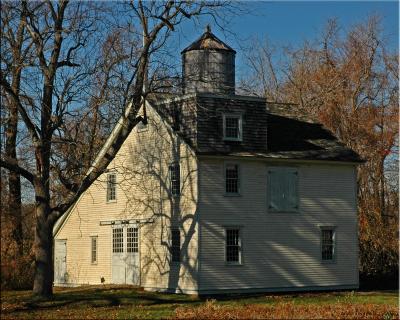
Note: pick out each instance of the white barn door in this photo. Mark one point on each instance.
(132, 255)
(125, 255)
(60, 261)
(118, 262)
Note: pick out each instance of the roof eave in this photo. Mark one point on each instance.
(260, 156)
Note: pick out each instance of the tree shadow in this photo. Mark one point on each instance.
(100, 297)
(146, 185)
(281, 251)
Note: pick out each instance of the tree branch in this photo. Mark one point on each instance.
(100, 163)
(29, 124)
(70, 186)
(67, 62)
(36, 36)
(17, 169)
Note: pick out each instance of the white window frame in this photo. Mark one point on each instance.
(226, 164)
(108, 185)
(240, 126)
(240, 246)
(171, 189)
(117, 246)
(132, 239)
(334, 243)
(177, 247)
(95, 249)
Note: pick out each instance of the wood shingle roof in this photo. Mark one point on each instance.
(268, 131)
(208, 41)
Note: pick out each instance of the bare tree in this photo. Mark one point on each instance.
(347, 81)
(16, 49)
(263, 74)
(61, 34)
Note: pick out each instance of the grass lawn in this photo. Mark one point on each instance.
(125, 302)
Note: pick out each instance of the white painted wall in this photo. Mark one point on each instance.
(280, 250)
(141, 167)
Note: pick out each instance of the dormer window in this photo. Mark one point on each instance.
(232, 124)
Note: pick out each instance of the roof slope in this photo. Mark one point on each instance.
(293, 138)
(208, 41)
(269, 130)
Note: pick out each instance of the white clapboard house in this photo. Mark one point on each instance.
(217, 193)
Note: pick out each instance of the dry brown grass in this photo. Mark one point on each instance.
(128, 302)
(288, 310)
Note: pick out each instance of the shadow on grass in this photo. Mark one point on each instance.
(98, 297)
(131, 297)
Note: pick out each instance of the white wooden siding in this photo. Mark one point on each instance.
(141, 168)
(280, 250)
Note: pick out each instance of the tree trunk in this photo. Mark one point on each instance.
(15, 209)
(43, 249)
(382, 190)
(14, 180)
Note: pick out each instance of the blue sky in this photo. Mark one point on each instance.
(291, 22)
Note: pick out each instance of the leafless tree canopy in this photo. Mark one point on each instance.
(69, 71)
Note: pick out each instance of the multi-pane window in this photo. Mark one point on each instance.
(283, 189)
(233, 245)
(118, 240)
(175, 179)
(93, 250)
(328, 244)
(132, 240)
(175, 245)
(232, 178)
(232, 125)
(111, 186)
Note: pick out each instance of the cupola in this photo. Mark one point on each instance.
(208, 65)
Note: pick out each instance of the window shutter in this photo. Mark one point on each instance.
(283, 189)
(240, 128)
(291, 178)
(275, 190)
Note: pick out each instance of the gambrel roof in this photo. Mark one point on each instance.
(269, 130)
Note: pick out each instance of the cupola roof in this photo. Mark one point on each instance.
(208, 41)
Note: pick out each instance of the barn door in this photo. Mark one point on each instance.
(132, 255)
(60, 261)
(125, 255)
(118, 262)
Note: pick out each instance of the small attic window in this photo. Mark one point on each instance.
(232, 125)
(111, 187)
(142, 127)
